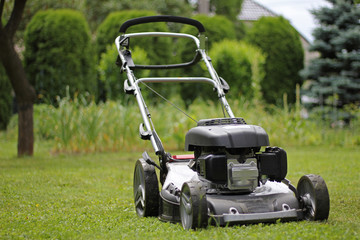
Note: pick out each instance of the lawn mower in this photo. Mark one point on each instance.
(232, 175)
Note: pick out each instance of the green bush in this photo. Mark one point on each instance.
(217, 29)
(109, 73)
(5, 99)
(240, 64)
(158, 49)
(229, 8)
(59, 53)
(281, 43)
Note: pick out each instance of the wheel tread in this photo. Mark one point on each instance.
(320, 196)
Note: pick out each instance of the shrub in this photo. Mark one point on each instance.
(229, 8)
(158, 49)
(217, 29)
(109, 73)
(281, 43)
(59, 53)
(5, 99)
(240, 64)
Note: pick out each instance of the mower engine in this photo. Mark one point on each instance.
(228, 157)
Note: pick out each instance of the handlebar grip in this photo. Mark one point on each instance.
(162, 18)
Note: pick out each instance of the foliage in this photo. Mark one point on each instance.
(241, 65)
(97, 11)
(335, 74)
(79, 125)
(217, 29)
(59, 53)
(5, 99)
(281, 43)
(157, 48)
(32, 7)
(229, 8)
(110, 75)
(91, 197)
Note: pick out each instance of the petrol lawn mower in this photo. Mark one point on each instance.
(232, 175)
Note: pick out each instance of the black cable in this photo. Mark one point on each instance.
(172, 104)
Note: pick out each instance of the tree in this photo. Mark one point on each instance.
(25, 93)
(335, 74)
(228, 8)
(285, 56)
(5, 99)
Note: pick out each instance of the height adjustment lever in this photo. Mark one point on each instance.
(144, 135)
(127, 88)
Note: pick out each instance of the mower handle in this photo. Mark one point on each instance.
(162, 18)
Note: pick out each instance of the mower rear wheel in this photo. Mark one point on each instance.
(146, 189)
(314, 197)
(193, 205)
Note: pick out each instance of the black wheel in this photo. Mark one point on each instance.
(314, 196)
(193, 205)
(146, 189)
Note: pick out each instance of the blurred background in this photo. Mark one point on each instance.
(293, 68)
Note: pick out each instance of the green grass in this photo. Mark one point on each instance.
(90, 197)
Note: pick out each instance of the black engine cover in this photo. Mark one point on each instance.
(229, 135)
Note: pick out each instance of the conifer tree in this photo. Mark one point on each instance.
(336, 73)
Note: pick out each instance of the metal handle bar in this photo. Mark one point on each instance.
(120, 39)
(161, 34)
(162, 18)
(178, 79)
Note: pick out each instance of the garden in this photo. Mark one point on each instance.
(77, 180)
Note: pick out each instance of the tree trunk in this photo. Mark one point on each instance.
(26, 132)
(25, 93)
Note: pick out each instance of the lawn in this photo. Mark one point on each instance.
(90, 197)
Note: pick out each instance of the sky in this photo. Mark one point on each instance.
(297, 12)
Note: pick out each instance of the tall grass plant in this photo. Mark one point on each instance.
(79, 125)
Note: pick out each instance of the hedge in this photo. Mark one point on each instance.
(281, 43)
(158, 49)
(111, 78)
(59, 53)
(241, 65)
(217, 29)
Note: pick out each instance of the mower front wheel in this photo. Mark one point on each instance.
(193, 205)
(146, 189)
(314, 197)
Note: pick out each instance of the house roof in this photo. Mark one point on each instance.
(252, 11)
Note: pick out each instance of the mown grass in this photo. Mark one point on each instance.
(90, 197)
